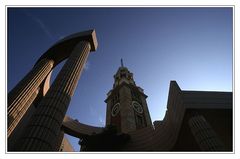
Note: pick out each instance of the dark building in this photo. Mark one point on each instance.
(194, 121)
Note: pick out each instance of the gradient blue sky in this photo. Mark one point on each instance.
(190, 45)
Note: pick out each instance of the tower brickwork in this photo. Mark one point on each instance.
(126, 103)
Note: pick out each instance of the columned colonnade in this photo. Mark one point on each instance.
(44, 128)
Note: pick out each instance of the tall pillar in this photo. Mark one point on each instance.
(19, 113)
(205, 136)
(44, 128)
(19, 96)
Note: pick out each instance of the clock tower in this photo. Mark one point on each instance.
(126, 103)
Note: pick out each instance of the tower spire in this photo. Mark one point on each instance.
(121, 62)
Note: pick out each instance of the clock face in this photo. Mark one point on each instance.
(137, 107)
(115, 109)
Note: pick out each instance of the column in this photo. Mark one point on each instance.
(19, 96)
(19, 113)
(205, 136)
(60, 141)
(45, 126)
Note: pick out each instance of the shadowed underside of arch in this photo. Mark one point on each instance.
(77, 129)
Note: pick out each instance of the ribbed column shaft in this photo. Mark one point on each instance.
(60, 140)
(17, 115)
(205, 136)
(44, 129)
(19, 96)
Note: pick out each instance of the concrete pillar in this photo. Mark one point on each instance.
(44, 128)
(60, 140)
(19, 113)
(19, 97)
(205, 136)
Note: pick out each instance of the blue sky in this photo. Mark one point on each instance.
(190, 45)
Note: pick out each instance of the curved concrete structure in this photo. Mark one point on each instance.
(62, 49)
(168, 135)
(77, 129)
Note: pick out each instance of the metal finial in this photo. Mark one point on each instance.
(122, 62)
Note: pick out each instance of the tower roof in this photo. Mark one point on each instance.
(123, 75)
